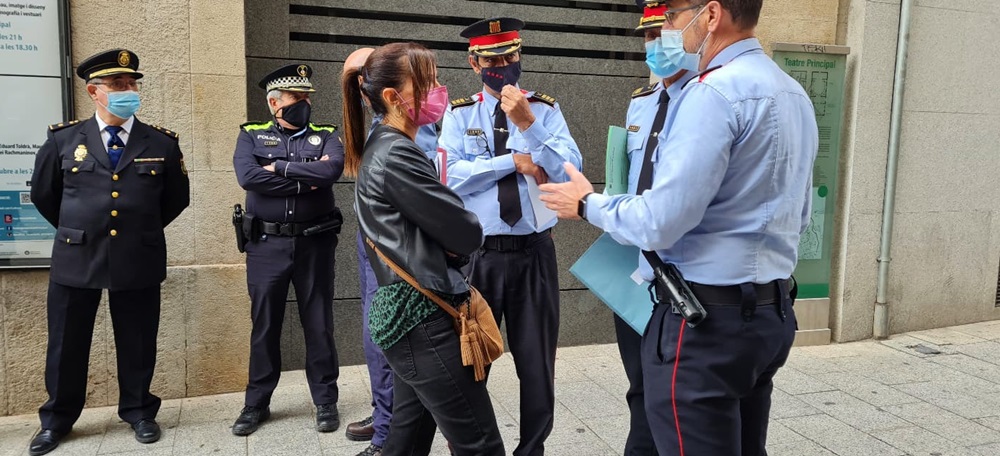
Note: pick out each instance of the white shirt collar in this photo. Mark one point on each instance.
(127, 126)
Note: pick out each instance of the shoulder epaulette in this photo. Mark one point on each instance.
(643, 91)
(462, 102)
(250, 126)
(60, 126)
(323, 127)
(539, 96)
(172, 134)
(700, 77)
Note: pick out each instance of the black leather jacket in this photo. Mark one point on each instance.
(411, 216)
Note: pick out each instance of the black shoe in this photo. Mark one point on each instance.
(45, 441)
(327, 418)
(372, 450)
(361, 431)
(250, 419)
(146, 431)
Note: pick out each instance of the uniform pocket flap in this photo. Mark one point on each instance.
(635, 141)
(151, 169)
(70, 235)
(74, 166)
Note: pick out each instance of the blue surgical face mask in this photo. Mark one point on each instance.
(657, 61)
(672, 42)
(123, 104)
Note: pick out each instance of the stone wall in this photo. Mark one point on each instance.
(200, 81)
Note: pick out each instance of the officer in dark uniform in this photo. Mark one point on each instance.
(496, 140)
(288, 167)
(109, 184)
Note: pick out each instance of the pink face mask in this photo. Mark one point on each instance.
(432, 109)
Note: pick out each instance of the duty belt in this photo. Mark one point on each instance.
(514, 243)
(768, 293)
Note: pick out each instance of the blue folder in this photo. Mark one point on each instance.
(606, 269)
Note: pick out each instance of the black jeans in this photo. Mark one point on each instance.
(431, 386)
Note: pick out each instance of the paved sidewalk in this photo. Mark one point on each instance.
(931, 393)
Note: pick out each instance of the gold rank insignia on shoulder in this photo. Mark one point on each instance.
(81, 153)
(150, 160)
(169, 133)
(474, 131)
(633, 128)
(643, 91)
(60, 126)
(461, 102)
(539, 96)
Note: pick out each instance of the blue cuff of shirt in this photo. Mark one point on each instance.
(503, 165)
(596, 204)
(535, 135)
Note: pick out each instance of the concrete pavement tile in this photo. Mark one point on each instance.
(800, 448)
(852, 411)
(917, 440)
(907, 344)
(838, 437)
(605, 371)
(810, 365)
(119, 437)
(209, 438)
(892, 369)
(15, 435)
(962, 400)
(972, 366)
(866, 389)
(581, 351)
(88, 432)
(945, 423)
(848, 350)
(612, 429)
(568, 428)
(589, 444)
(794, 382)
(204, 409)
(779, 434)
(784, 405)
(946, 336)
(987, 330)
(291, 434)
(588, 399)
(992, 449)
(567, 371)
(992, 422)
(983, 351)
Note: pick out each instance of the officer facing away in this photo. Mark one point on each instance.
(495, 140)
(730, 197)
(110, 185)
(288, 167)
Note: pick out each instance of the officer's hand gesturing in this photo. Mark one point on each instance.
(515, 105)
(564, 198)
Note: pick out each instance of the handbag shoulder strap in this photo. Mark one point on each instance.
(413, 282)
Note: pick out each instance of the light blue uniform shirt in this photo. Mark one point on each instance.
(473, 171)
(732, 179)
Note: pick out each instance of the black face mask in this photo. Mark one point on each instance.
(297, 114)
(497, 77)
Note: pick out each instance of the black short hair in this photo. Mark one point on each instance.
(745, 13)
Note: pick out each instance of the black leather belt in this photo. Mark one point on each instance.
(511, 243)
(768, 293)
(284, 229)
(328, 222)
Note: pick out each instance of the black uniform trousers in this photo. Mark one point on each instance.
(708, 388)
(135, 318)
(431, 389)
(307, 262)
(522, 287)
(640, 438)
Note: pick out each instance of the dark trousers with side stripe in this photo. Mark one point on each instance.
(640, 438)
(708, 388)
(307, 262)
(135, 318)
(522, 288)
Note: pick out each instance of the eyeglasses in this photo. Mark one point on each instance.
(671, 15)
(484, 142)
(497, 60)
(121, 85)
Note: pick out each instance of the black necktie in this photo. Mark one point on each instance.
(507, 194)
(115, 145)
(646, 173)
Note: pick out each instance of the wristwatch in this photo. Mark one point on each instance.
(581, 206)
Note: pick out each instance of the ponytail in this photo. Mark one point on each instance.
(354, 121)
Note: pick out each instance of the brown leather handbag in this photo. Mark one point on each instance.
(477, 330)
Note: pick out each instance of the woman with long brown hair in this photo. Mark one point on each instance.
(422, 226)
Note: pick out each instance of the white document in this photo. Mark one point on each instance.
(543, 215)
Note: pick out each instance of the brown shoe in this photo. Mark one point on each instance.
(361, 431)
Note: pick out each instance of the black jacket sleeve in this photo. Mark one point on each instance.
(47, 180)
(177, 190)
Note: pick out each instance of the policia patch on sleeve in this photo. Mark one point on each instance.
(643, 91)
